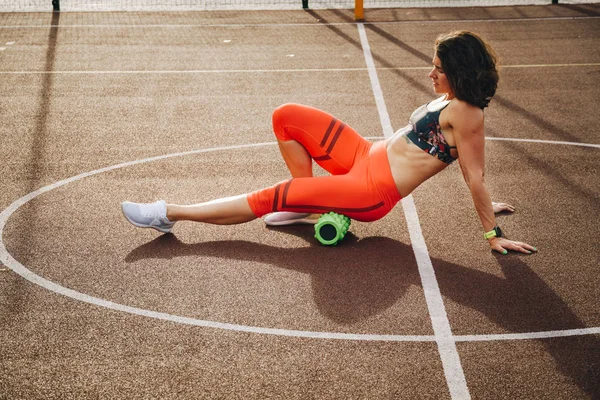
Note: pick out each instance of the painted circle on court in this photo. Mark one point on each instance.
(20, 269)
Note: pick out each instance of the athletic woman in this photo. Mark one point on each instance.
(368, 179)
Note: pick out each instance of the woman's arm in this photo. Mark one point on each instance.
(467, 127)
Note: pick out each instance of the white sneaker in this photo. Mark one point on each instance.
(148, 215)
(290, 218)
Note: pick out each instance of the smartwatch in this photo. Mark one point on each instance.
(496, 232)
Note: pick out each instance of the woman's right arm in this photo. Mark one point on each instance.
(467, 127)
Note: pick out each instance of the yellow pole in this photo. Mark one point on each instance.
(359, 10)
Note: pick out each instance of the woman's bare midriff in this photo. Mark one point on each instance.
(410, 165)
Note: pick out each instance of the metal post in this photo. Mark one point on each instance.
(305, 4)
(554, 1)
(359, 10)
(56, 5)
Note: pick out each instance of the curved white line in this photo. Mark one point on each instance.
(20, 269)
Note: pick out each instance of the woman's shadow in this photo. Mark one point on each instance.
(363, 277)
(352, 281)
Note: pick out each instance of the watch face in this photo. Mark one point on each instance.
(498, 231)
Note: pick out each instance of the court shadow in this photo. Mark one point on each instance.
(357, 279)
(546, 166)
(40, 135)
(585, 10)
(36, 164)
(362, 277)
(381, 60)
(520, 301)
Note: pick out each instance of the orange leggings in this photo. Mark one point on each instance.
(361, 185)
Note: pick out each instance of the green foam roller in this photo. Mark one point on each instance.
(331, 228)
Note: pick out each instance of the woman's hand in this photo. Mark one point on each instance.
(502, 245)
(499, 207)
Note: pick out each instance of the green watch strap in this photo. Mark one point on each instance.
(496, 232)
(490, 234)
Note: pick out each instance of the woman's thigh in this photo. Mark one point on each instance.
(333, 145)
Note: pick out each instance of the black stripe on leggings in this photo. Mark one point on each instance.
(276, 198)
(285, 192)
(328, 132)
(335, 138)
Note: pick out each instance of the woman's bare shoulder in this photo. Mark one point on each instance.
(463, 113)
(465, 117)
(462, 106)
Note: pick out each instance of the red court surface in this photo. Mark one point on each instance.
(98, 108)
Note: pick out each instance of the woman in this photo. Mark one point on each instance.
(368, 179)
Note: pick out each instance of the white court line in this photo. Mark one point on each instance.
(455, 377)
(528, 336)
(545, 141)
(20, 269)
(384, 117)
(260, 71)
(314, 24)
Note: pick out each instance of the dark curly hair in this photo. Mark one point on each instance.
(470, 65)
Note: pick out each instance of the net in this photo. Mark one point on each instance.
(201, 5)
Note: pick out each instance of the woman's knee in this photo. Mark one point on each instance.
(281, 117)
(286, 109)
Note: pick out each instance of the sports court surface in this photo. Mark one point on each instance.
(97, 108)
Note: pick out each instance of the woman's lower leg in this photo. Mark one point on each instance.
(225, 211)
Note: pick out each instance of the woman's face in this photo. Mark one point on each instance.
(441, 85)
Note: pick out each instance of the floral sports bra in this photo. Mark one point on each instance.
(426, 133)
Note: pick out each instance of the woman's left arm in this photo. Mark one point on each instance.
(467, 127)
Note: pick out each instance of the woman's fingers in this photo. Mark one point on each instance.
(500, 249)
(499, 207)
(523, 247)
(497, 245)
(502, 246)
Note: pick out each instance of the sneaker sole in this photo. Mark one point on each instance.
(305, 221)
